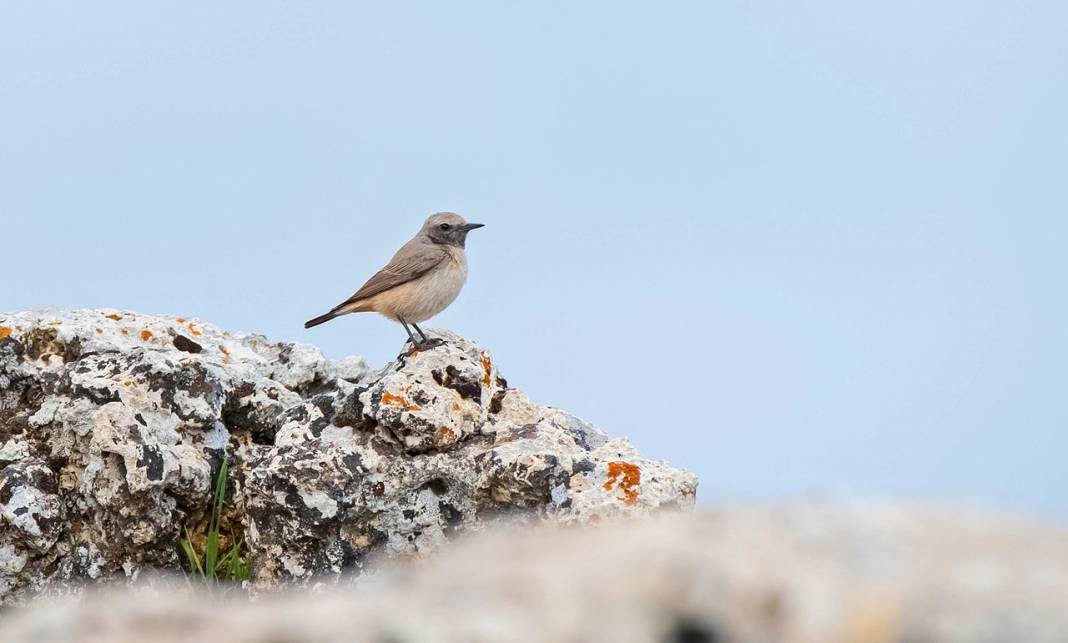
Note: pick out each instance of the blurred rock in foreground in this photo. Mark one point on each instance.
(806, 574)
(113, 426)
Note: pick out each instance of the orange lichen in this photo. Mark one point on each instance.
(455, 406)
(193, 329)
(146, 335)
(222, 349)
(396, 400)
(99, 330)
(115, 317)
(486, 368)
(446, 434)
(181, 320)
(393, 400)
(627, 476)
(125, 332)
(5, 331)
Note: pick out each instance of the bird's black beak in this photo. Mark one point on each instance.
(473, 226)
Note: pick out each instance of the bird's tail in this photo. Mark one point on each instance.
(322, 319)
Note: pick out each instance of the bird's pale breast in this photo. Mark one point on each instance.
(428, 295)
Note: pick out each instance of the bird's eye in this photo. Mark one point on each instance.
(444, 226)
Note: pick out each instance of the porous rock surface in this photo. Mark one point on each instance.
(113, 425)
(855, 573)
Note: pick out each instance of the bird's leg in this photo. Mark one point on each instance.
(427, 342)
(415, 342)
(420, 331)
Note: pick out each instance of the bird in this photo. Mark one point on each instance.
(420, 281)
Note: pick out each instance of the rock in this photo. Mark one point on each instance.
(113, 426)
(859, 573)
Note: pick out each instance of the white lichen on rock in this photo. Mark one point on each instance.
(113, 424)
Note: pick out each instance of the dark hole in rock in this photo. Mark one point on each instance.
(437, 485)
(151, 460)
(183, 343)
(119, 463)
(264, 437)
(469, 389)
(452, 515)
(497, 401)
(350, 557)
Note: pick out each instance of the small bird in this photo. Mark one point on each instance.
(420, 281)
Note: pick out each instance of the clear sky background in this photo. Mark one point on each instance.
(799, 247)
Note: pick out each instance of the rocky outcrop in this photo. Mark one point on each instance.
(802, 574)
(114, 424)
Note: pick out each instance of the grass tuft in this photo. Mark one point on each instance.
(207, 565)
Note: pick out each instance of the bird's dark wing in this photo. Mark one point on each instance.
(413, 260)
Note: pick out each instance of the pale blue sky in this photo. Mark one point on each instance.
(798, 247)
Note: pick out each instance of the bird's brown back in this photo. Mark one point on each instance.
(413, 260)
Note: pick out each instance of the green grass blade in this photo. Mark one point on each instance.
(224, 560)
(191, 554)
(211, 555)
(233, 563)
(244, 571)
(220, 493)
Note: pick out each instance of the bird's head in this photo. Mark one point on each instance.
(448, 229)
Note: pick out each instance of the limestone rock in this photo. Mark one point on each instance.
(113, 425)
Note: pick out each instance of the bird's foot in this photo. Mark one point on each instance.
(425, 345)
